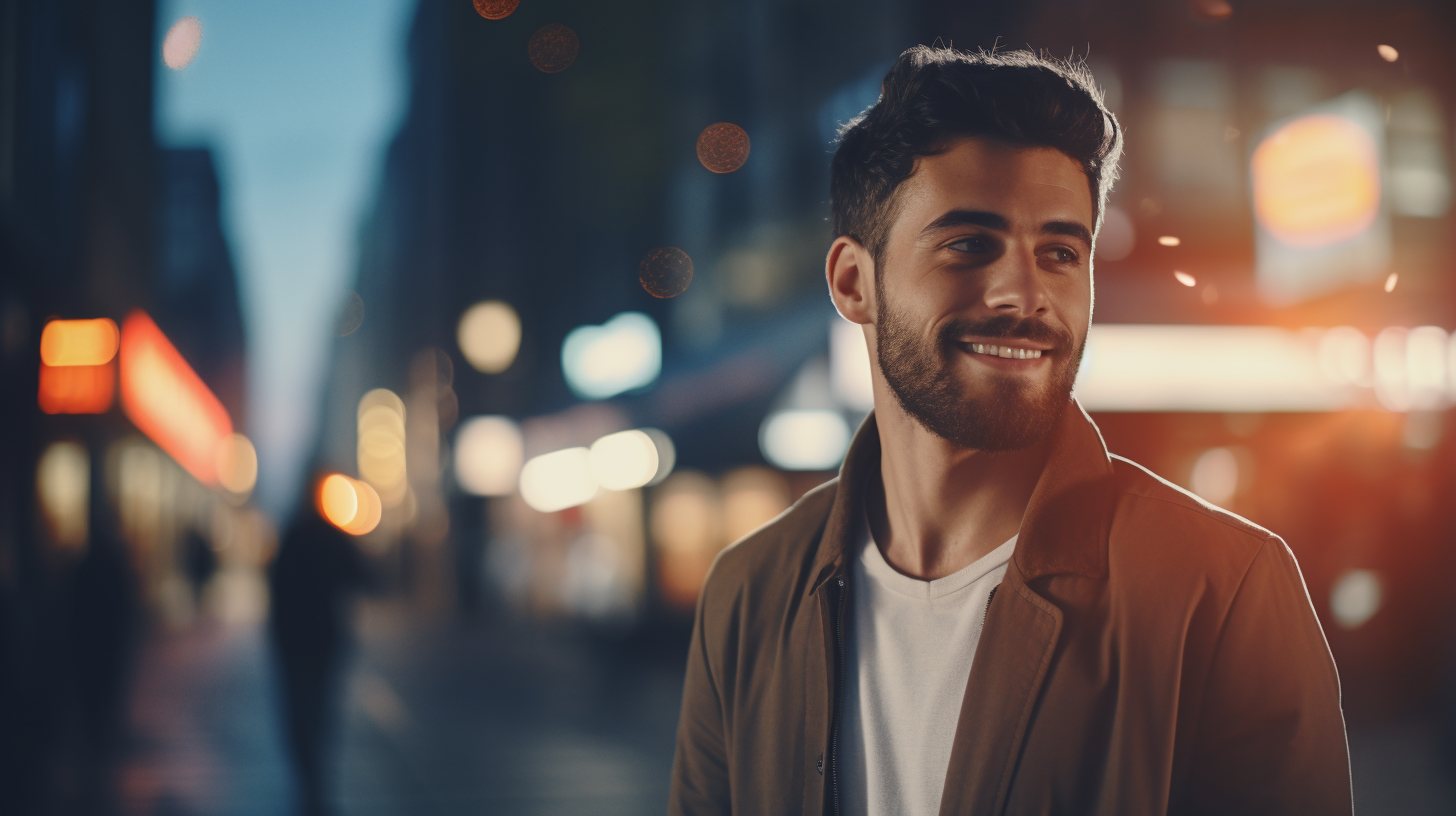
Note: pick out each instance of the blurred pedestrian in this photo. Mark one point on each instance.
(318, 570)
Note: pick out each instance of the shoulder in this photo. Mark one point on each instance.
(776, 557)
(1159, 522)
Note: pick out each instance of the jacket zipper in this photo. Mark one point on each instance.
(987, 610)
(838, 698)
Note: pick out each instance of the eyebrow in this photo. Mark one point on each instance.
(990, 220)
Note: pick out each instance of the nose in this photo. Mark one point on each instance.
(1014, 285)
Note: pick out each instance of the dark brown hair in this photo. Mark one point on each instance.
(932, 96)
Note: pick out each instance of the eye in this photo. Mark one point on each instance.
(972, 244)
(1062, 254)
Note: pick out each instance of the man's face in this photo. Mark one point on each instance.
(984, 293)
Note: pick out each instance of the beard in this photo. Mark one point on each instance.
(926, 380)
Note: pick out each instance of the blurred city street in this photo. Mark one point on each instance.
(507, 718)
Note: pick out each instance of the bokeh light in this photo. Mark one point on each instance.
(1117, 236)
(622, 354)
(553, 48)
(752, 497)
(381, 444)
(489, 334)
(1215, 475)
(1316, 181)
(496, 9)
(63, 487)
(1387, 52)
(666, 272)
(1390, 281)
(687, 530)
(849, 365)
(666, 453)
(349, 504)
(1214, 10)
(1355, 598)
(723, 147)
(558, 480)
(624, 460)
(79, 342)
(237, 464)
(1185, 278)
(1169, 240)
(1344, 355)
(182, 43)
(804, 439)
(1425, 358)
(351, 317)
(488, 456)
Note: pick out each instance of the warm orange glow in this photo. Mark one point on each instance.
(723, 147)
(76, 389)
(349, 504)
(1169, 240)
(1387, 52)
(1317, 181)
(496, 9)
(167, 401)
(1185, 278)
(237, 464)
(79, 342)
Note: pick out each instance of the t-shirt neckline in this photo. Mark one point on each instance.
(880, 571)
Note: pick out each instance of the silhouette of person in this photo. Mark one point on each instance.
(317, 570)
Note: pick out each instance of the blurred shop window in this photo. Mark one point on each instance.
(686, 524)
(1189, 126)
(1418, 178)
(63, 486)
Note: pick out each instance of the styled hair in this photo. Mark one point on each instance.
(932, 96)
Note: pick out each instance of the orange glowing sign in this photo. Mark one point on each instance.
(349, 504)
(1317, 181)
(79, 342)
(76, 376)
(167, 401)
(81, 389)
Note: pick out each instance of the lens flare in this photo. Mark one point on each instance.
(553, 48)
(666, 272)
(182, 43)
(723, 147)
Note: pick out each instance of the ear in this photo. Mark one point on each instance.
(850, 271)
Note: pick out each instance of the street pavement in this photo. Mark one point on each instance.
(498, 717)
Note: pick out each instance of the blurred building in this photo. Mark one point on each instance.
(95, 520)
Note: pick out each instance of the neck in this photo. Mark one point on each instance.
(937, 507)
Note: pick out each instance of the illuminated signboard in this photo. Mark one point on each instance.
(168, 402)
(76, 371)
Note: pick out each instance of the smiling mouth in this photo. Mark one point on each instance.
(1007, 352)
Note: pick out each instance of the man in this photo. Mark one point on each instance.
(986, 613)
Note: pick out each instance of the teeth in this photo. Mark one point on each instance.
(1006, 351)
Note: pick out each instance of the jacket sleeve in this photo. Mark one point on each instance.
(700, 764)
(1270, 738)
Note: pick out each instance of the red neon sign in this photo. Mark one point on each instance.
(167, 401)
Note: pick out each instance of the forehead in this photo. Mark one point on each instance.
(1023, 184)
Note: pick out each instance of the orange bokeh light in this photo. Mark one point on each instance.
(496, 9)
(79, 342)
(666, 272)
(167, 401)
(1317, 181)
(349, 504)
(76, 389)
(723, 147)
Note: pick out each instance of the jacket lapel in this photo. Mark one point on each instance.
(1011, 663)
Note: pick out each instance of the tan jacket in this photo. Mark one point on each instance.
(1146, 653)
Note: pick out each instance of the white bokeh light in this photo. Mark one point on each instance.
(622, 354)
(622, 461)
(804, 440)
(558, 480)
(488, 453)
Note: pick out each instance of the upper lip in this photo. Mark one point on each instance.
(1007, 342)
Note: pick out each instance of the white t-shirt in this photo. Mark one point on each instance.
(909, 644)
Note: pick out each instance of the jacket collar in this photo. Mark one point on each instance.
(1066, 523)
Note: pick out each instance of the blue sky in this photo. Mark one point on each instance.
(298, 99)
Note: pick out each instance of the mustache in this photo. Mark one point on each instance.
(1008, 327)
